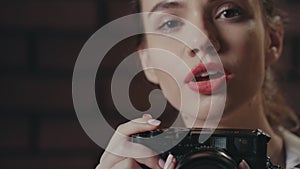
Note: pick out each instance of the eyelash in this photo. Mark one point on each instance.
(174, 24)
(234, 13)
(170, 25)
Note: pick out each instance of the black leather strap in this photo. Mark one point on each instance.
(298, 166)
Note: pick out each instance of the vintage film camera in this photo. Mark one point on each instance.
(224, 148)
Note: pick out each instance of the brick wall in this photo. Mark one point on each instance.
(39, 43)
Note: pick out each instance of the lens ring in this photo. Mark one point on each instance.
(208, 159)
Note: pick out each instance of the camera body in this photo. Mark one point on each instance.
(222, 148)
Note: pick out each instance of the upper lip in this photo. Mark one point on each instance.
(203, 68)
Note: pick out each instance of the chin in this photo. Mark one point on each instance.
(207, 118)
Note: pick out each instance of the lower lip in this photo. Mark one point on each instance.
(210, 86)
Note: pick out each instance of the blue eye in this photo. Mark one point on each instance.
(171, 25)
(230, 13)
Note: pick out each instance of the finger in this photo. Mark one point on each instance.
(127, 163)
(119, 141)
(125, 149)
(173, 164)
(131, 150)
(141, 153)
(119, 146)
(147, 116)
(152, 162)
(133, 127)
(244, 165)
(138, 126)
(170, 162)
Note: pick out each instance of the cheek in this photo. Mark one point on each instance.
(170, 88)
(245, 57)
(170, 68)
(160, 42)
(244, 46)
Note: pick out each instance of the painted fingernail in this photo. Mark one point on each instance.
(154, 122)
(161, 163)
(147, 116)
(169, 161)
(244, 165)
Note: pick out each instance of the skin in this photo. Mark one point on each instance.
(245, 45)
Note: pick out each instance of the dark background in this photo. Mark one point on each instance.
(39, 43)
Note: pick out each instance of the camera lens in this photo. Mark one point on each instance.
(207, 159)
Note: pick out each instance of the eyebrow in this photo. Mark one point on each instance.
(167, 4)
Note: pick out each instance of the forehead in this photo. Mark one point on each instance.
(149, 5)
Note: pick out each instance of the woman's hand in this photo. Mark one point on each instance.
(123, 154)
(243, 165)
(170, 162)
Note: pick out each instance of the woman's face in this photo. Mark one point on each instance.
(237, 31)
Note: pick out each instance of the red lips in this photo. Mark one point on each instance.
(207, 78)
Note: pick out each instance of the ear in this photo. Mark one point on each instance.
(146, 63)
(275, 41)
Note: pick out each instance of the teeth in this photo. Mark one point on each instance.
(209, 73)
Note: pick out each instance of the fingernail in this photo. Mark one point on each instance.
(161, 163)
(174, 160)
(244, 165)
(281, 129)
(168, 162)
(147, 116)
(154, 122)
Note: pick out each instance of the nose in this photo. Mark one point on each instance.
(207, 45)
(203, 36)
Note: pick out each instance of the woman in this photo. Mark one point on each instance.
(248, 37)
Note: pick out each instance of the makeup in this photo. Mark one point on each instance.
(207, 78)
